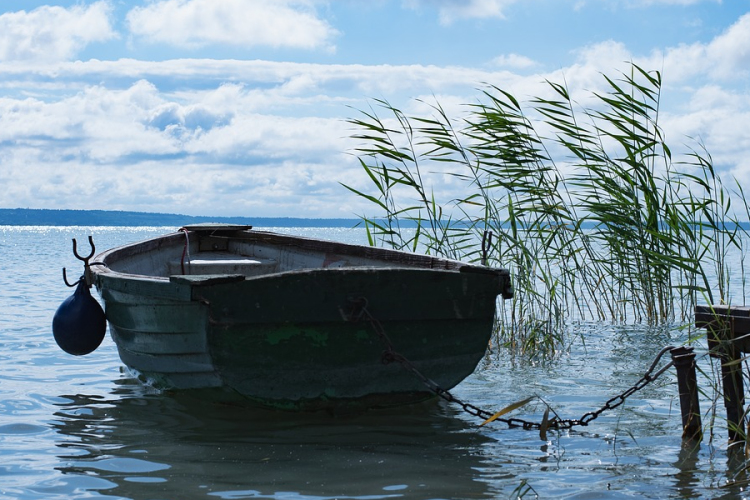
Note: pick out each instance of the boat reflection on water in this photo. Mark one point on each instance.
(179, 446)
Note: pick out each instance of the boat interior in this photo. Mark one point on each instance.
(242, 251)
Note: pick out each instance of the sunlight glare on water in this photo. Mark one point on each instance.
(81, 427)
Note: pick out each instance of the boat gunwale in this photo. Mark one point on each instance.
(407, 260)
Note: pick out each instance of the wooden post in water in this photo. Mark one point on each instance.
(687, 383)
(728, 337)
(734, 393)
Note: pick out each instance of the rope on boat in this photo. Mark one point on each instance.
(486, 245)
(185, 251)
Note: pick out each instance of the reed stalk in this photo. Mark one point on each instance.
(593, 217)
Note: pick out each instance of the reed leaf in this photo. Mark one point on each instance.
(621, 233)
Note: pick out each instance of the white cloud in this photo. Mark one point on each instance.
(725, 58)
(604, 54)
(244, 23)
(514, 61)
(720, 118)
(585, 75)
(176, 152)
(269, 138)
(731, 50)
(52, 33)
(282, 82)
(453, 10)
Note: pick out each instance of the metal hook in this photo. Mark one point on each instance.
(84, 259)
(87, 278)
(65, 279)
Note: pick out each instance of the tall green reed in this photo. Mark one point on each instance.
(589, 211)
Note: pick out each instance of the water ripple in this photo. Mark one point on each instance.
(22, 428)
(78, 427)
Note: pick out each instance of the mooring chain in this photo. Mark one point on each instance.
(616, 401)
(360, 311)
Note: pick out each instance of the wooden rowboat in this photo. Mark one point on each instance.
(294, 323)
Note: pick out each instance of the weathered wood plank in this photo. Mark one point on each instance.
(725, 324)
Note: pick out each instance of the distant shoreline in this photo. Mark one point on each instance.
(49, 217)
(114, 218)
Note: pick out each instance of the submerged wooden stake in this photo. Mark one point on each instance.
(728, 336)
(684, 362)
(734, 394)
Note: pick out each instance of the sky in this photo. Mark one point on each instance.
(241, 107)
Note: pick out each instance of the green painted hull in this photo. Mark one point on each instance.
(299, 339)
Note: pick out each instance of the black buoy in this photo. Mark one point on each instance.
(79, 323)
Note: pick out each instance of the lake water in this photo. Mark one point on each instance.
(81, 427)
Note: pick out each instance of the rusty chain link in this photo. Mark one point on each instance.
(360, 311)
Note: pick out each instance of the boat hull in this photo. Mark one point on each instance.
(305, 339)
